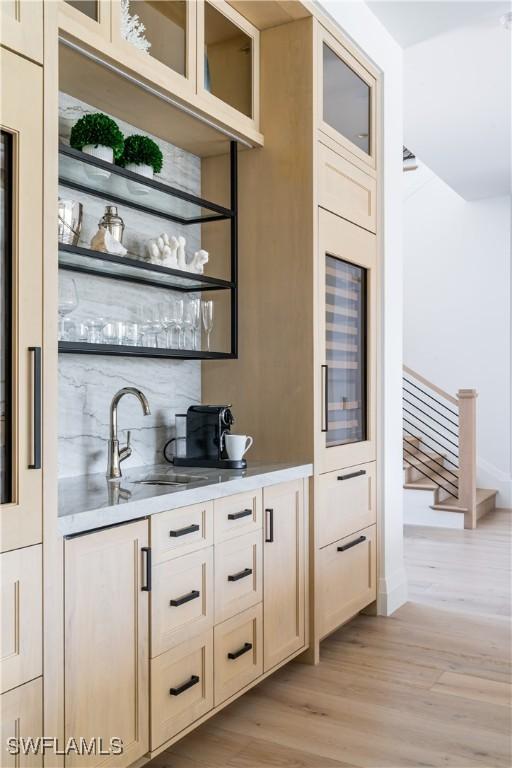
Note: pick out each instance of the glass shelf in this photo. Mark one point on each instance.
(93, 176)
(84, 347)
(78, 259)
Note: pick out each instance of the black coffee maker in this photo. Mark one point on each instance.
(206, 427)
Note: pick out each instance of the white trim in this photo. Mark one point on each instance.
(392, 593)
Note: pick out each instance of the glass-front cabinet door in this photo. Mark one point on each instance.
(86, 20)
(347, 100)
(346, 343)
(20, 301)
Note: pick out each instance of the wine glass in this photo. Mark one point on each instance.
(166, 317)
(150, 325)
(207, 313)
(189, 322)
(177, 318)
(196, 315)
(68, 301)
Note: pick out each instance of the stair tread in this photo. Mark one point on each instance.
(450, 503)
(420, 485)
(482, 494)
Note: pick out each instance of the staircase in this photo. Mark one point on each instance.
(439, 447)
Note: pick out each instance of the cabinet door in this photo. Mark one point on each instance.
(21, 720)
(20, 301)
(284, 560)
(346, 383)
(165, 51)
(106, 641)
(21, 27)
(21, 616)
(86, 20)
(347, 101)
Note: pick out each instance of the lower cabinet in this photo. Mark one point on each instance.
(181, 687)
(107, 644)
(284, 571)
(346, 578)
(21, 720)
(238, 653)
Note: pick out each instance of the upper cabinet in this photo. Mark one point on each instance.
(21, 27)
(87, 20)
(227, 63)
(347, 101)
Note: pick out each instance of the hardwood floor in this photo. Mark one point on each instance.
(428, 686)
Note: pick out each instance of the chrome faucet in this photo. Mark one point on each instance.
(116, 454)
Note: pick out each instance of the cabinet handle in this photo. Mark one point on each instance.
(184, 686)
(238, 515)
(352, 474)
(240, 575)
(183, 531)
(36, 409)
(147, 585)
(269, 538)
(352, 544)
(185, 598)
(244, 649)
(325, 397)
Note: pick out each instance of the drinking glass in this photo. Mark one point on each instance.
(113, 332)
(131, 334)
(177, 318)
(68, 301)
(196, 321)
(150, 325)
(207, 313)
(166, 317)
(188, 323)
(95, 326)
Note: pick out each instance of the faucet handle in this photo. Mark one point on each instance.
(129, 439)
(127, 450)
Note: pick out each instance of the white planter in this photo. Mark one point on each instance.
(103, 153)
(143, 170)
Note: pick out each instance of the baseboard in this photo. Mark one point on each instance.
(489, 476)
(392, 593)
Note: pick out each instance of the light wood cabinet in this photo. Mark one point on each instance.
(21, 280)
(346, 502)
(238, 514)
(21, 615)
(181, 531)
(346, 579)
(284, 559)
(346, 190)
(238, 575)
(238, 653)
(21, 27)
(107, 642)
(87, 21)
(21, 719)
(347, 344)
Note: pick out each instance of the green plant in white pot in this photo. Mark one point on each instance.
(98, 135)
(141, 155)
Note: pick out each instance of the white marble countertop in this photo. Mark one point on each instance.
(91, 501)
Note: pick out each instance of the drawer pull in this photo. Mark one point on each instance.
(238, 515)
(147, 553)
(244, 649)
(183, 531)
(352, 544)
(352, 474)
(240, 575)
(269, 529)
(185, 598)
(185, 686)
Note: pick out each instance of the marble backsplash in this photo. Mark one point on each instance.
(87, 383)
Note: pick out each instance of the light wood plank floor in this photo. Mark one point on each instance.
(428, 686)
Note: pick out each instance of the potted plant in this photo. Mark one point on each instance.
(141, 155)
(98, 135)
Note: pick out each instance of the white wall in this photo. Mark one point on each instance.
(457, 288)
(359, 23)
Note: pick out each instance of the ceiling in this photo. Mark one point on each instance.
(457, 89)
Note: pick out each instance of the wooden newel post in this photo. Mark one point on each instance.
(467, 454)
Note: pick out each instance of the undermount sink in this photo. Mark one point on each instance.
(170, 479)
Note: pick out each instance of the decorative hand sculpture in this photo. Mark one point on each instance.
(198, 262)
(182, 259)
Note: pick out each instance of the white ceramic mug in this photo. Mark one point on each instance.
(237, 446)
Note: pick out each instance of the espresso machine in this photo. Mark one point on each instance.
(206, 427)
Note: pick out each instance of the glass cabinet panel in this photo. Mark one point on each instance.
(346, 100)
(228, 61)
(160, 28)
(88, 7)
(6, 481)
(345, 352)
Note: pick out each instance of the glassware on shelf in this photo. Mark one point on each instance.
(177, 319)
(95, 326)
(167, 321)
(190, 322)
(68, 301)
(131, 334)
(196, 322)
(150, 325)
(113, 332)
(207, 315)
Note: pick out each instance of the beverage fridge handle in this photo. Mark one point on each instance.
(36, 409)
(324, 398)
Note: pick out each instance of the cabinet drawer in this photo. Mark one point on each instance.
(22, 718)
(181, 599)
(346, 578)
(346, 502)
(238, 575)
(180, 531)
(346, 190)
(181, 687)
(236, 515)
(238, 659)
(20, 616)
